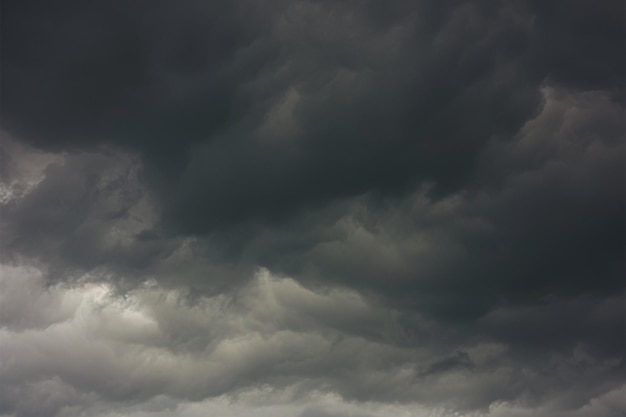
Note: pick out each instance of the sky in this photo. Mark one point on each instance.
(312, 208)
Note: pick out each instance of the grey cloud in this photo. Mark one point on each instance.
(86, 211)
(23, 286)
(117, 351)
(399, 250)
(417, 255)
(459, 360)
(542, 228)
(351, 208)
(321, 412)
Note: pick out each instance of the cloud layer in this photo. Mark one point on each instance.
(312, 208)
(87, 350)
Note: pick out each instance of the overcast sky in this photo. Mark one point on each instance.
(312, 208)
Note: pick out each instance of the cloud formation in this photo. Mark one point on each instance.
(312, 208)
(102, 352)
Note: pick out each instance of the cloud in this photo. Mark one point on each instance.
(205, 133)
(81, 211)
(312, 208)
(98, 349)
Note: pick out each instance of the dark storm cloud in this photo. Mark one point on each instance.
(387, 202)
(390, 105)
(414, 255)
(414, 91)
(95, 73)
(543, 228)
(548, 218)
(580, 43)
(77, 73)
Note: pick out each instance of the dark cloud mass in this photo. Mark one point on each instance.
(312, 208)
